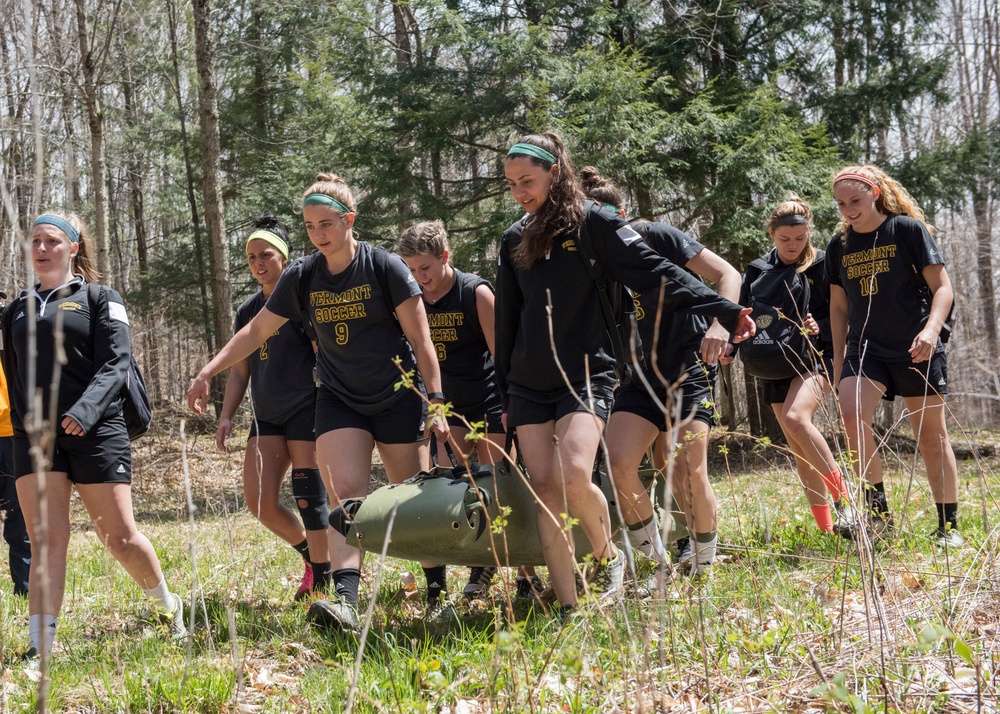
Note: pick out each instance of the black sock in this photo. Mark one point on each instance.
(877, 503)
(436, 581)
(346, 582)
(303, 550)
(947, 516)
(321, 575)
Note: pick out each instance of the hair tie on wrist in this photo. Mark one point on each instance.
(435, 395)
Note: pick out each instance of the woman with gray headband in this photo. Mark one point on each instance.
(792, 352)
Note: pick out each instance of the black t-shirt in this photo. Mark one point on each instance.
(819, 295)
(281, 369)
(885, 310)
(96, 363)
(358, 336)
(680, 334)
(467, 374)
(524, 356)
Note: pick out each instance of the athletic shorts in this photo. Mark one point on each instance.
(902, 379)
(401, 423)
(300, 427)
(522, 411)
(489, 412)
(696, 393)
(775, 391)
(103, 455)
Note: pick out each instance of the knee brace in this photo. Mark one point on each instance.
(310, 497)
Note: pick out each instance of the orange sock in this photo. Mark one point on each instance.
(836, 486)
(824, 519)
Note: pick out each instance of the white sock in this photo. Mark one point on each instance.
(161, 596)
(704, 552)
(645, 538)
(39, 624)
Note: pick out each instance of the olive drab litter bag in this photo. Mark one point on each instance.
(459, 517)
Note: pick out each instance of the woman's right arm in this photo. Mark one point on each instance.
(236, 389)
(244, 342)
(838, 329)
(507, 314)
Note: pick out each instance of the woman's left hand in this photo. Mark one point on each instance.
(745, 327)
(438, 424)
(714, 343)
(72, 427)
(810, 324)
(923, 345)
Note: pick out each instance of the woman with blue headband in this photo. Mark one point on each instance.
(283, 394)
(92, 451)
(794, 272)
(555, 355)
(369, 321)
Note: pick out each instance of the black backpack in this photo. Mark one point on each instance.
(468, 282)
(136, 409)
(618, 308)
(780, 349)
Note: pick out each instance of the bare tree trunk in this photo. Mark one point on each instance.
(199, 249)
(135, 178)
(90, 69)
(211, 180)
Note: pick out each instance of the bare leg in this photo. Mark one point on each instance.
(629, 436)
(346, 458)
(303, 456)
(58, 490)
(264, 467)
(858, 398)
(927, 417)
(691, 484)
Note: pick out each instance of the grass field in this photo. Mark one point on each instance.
(789, 622)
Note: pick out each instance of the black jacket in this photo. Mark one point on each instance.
(97, 359)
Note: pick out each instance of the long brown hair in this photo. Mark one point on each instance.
(892, 200)
(561, 213)
(795, 206)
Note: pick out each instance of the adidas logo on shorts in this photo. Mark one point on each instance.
(121, 468)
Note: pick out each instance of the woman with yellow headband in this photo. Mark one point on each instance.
(283, 394)
(890, 296)
(370, 324)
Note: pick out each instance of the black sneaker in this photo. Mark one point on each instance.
(480, 579)
(529, 588)
(440, 617)
(335, 614)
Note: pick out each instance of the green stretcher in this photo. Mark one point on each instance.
(481, 516)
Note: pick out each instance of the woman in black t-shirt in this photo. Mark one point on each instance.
(283, 395)
(795, 400)
(681, 353)
(890, 297)
(557, 376)
(366, 311)
(91, 450)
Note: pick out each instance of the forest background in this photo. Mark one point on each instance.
(171, 125)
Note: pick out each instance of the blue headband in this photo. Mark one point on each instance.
(61, 223)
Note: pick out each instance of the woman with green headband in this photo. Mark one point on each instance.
(557, 376)
(283, 395)
(369, 322)
(89, 442)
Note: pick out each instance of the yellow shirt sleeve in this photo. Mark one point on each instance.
(5, 428)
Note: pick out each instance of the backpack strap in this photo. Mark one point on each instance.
(304, 286)
(380, 259)
(468, 284)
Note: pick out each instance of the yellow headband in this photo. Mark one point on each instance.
(269, 237)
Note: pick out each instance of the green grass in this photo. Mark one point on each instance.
(789, 620)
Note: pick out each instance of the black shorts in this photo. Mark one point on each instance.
(696, 393)
(522, 411)
(300, 427)
(775, 391)
(902, 379)
(401, 423)
(103, 455)
(489, 412)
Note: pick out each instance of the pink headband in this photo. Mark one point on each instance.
(848, 176)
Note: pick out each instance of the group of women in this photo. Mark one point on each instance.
(325, 342)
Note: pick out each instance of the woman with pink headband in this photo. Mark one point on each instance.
(890, 296)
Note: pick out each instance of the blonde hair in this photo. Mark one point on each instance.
(334, 187)
(83, 263)
(892, 200)
(427, 237)
(793, 205)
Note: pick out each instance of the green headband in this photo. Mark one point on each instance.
(532, 150)
(269, 237)
(321, 199)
